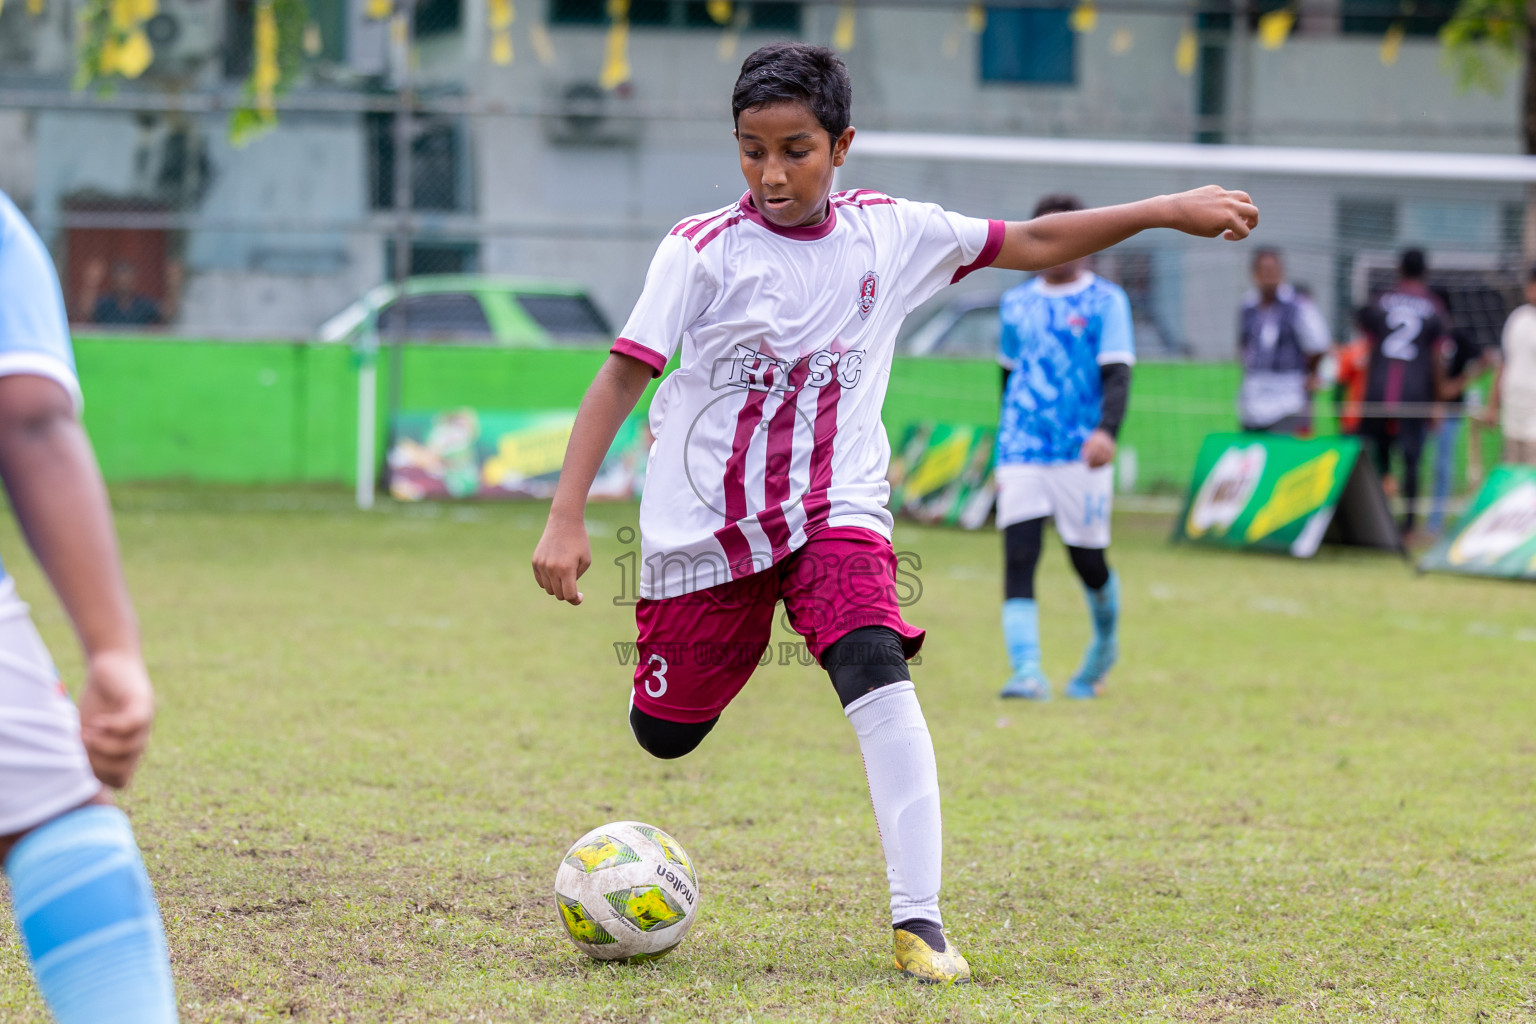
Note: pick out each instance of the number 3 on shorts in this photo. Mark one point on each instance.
(655, 676)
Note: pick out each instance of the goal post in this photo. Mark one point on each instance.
(1339, 218)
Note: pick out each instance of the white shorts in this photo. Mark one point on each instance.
(43, 768)
(1078, 498)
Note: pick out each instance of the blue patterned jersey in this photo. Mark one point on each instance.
(34, 331)
(1054, 339)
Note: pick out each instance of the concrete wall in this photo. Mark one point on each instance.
(284, 236)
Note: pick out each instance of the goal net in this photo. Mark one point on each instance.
(1338, 217)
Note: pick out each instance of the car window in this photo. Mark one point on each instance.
(445, 315)
(565, 316)
(974, 333)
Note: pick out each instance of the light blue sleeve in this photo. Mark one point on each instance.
(34, 329)
(1008, 337)
(1117, 339)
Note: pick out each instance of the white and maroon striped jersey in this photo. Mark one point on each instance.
(769, 429)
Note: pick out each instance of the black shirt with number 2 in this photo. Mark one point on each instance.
(1406, 327)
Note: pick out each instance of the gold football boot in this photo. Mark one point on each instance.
(916, 959)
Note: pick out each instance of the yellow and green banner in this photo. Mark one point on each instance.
(942, 473)
(1285, 494)
(473, 453)
(1497, 536)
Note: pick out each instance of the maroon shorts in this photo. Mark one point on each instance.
(697, 651)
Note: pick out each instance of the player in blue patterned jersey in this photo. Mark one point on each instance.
(1066, 350)
(83, 904)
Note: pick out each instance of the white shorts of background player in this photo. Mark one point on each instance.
(1079, 499)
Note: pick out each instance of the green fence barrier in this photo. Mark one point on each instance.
(285, 412)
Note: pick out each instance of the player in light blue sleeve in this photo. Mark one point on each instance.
(81, 898)
(1066, 350)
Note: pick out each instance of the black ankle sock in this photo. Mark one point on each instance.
(925, 930)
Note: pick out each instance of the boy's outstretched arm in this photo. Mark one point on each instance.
(564, 552)
(56, 489)
(1059, 238)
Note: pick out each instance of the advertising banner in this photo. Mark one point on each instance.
(1497, 536)
(471, 453)
(1285, 494)
(942, 473)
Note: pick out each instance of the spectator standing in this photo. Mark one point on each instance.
(1462, 361)
(1513, 400)
(1281, 338)
(1406, 328)
(124, 305)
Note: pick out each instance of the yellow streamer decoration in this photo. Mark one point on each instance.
(1392, 44)
(265, 74)
(976, 18)
(1121, 42)
(129, 56)
(543, 46)
(719, 11)
(616, 69)
(1084, 18)
(842, 33)
(35, 8)
(1275, 28)
(314, 42)
(128, 15)
(1185, 55)
(499, 15)
(378, 10)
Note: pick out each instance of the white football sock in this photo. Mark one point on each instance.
(904, 787)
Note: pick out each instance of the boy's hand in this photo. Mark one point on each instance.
(1212, 211)
(563, 554)
(1099, 449)
(116, 708)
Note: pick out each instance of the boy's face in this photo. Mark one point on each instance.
(788, 158)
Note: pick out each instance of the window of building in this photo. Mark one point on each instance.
(439, 166)
(437, 17)
(1028, 44)
(761, 16)
(1372, 17)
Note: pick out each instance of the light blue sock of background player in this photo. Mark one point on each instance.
(87, 915)
(1021, 633)
(1104, 607)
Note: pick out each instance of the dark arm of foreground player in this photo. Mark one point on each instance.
(564, 551)
(56, 489)
(1099, 449)
(1059, 238)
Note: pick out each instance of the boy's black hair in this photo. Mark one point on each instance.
(1530, 274)
(796, 73)
(1410, 266)
(1059, 202)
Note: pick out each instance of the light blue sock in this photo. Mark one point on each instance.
(1021, 632)
(87, 915)
(1104, 607)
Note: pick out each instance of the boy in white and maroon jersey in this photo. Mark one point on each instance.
(767, 477)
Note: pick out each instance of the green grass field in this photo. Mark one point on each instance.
(1309, 797)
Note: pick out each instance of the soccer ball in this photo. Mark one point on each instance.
(627, 891)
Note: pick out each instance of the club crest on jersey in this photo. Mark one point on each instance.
(867, 287)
